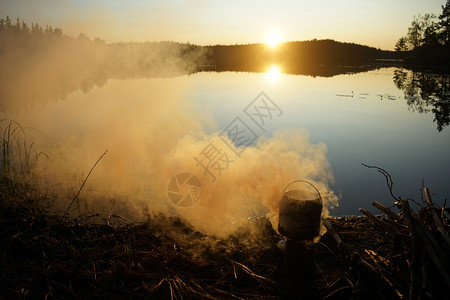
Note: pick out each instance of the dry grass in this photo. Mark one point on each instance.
(166, 258)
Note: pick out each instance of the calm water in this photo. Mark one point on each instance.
(376, 126)
(361, 118)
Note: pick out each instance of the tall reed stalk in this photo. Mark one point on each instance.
(18, 156)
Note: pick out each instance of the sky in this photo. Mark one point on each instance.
(377, 23)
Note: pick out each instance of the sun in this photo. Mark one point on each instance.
(273, 39)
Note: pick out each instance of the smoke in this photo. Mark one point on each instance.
(253, 184)
(152, 128)
(153, 132)
(40, 64)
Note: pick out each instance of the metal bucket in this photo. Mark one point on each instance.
(300, 213)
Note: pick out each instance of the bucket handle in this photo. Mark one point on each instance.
(299, 180)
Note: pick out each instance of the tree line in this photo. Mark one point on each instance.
(427, 41)
(314, 57)
(45, 63)
(40, 64)
(23, 29)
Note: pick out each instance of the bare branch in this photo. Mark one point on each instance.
(388, 177)
(82, 185)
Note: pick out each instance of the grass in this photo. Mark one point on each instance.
(19, 175)
(19, 158)
(166, 258)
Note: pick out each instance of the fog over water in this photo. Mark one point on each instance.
(152, 132)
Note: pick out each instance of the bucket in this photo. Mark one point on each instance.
(300, 212)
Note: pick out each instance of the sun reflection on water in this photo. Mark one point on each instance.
(273, 74)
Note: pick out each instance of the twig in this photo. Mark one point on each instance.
(434, 250)
(387, 211)
(321, 272)
(108, 220)
(389, 182)
(379, 221)
(328, 248)
(372, 271)
(443, 208)
(379, 262)
(348, 281)
(250, 272)
(332, 232)
(334, 293)
(414, 267)
(386, 175)
(436, 218)
(421, 192)
(447, 215)
(82, 185)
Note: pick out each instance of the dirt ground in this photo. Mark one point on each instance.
(42, 256)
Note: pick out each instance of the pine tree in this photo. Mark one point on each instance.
(8, 24)
(401, 45)
(25, 28)
(444, 23)
(414, 35)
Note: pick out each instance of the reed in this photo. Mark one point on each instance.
(19, 165)
(18, 157)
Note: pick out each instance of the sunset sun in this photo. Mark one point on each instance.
(273, 39)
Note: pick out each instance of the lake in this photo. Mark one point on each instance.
(156, 128)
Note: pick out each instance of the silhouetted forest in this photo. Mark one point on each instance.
(43, 64)
(427, 42)
(40, 64)
(315, 58)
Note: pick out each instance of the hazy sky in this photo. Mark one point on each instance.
(377, 23)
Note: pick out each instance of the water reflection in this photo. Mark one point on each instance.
(426, 93)
(273, 74)
(25, 90)
(146, 123)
